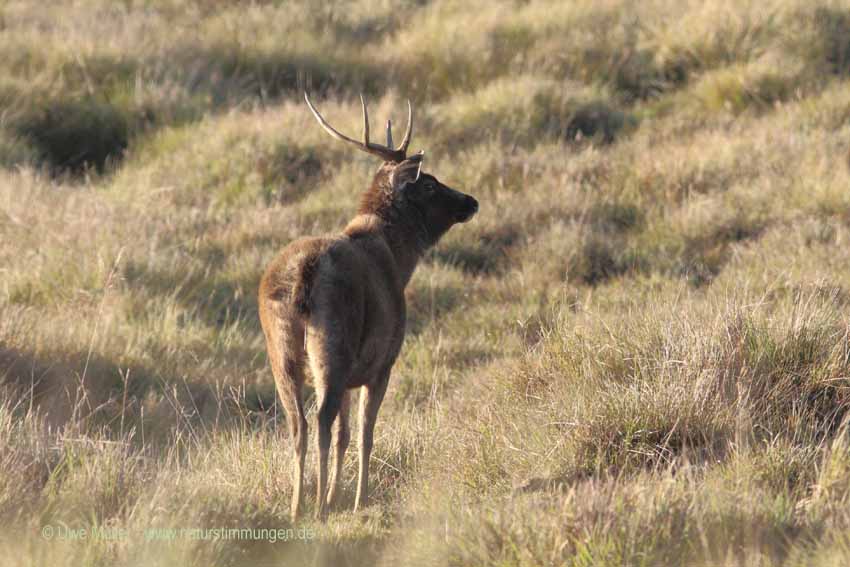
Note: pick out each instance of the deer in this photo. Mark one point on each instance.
(332, 308)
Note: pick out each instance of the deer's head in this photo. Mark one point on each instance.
(401, 191)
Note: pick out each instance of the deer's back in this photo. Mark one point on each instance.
(344, 286)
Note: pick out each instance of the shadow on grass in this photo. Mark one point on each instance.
(217, 300)
(301, 550)
(92, 121)
(833, 26)
(425, 306)
(596, 121)
(490, 255)
(87, 389)
(608, 251)
(71, 385)
(705, 257)
(230, 74)
(604, 257)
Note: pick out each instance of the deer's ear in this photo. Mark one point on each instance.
(407, 171)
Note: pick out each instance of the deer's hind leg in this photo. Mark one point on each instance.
(341, 438)
(286, 355)
(371, 397)
(330, 363)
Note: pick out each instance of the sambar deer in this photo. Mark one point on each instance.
(336, 304)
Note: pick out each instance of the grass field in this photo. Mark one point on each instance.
(637, 354)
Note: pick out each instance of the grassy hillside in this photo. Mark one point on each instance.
(637, 354)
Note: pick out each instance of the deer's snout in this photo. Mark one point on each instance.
(470, 207)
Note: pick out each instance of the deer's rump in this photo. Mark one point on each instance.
(289, 279)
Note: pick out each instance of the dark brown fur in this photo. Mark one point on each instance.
(335, 305)
(377, 200)
(332, 308)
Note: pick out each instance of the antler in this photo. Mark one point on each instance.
(387, 153)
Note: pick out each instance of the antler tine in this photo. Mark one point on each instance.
(406, 140)
(365, 121)
(328, 128)
(386, 153)
(389, 133)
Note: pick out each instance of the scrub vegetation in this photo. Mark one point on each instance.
(638, 353)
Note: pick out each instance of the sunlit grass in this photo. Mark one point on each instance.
(636, 354)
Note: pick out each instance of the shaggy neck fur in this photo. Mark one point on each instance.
(402, 224)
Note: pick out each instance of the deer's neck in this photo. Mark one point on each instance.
(403, 228)
(407, 245)
(404, 239)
